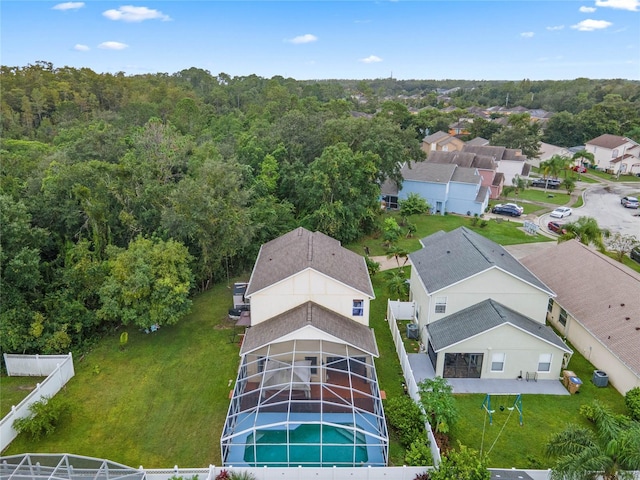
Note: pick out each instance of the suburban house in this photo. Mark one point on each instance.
(447, 188)
(307, 391)
(480, 312)
(615, 154)
(597, 307)
(441, 141)
(486, 166)
(510, 161)
(547, 151)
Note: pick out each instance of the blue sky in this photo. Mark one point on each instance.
(413, 39)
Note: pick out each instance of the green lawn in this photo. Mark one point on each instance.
(160, 402)
(14, 389)
(555, 197)
(612, 178)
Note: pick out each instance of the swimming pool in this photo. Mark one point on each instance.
(312, 445)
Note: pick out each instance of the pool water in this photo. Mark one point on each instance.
(338, 447)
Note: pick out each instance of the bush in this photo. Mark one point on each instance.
(632, 401)
(223, 475)
(405, 419)
(44, 418)
(419, 453)
(242, 476)
(421, 476)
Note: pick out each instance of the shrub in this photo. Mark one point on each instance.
(436, 398)
(405, 419)
(419, 453)
(421, 476)
(44, 418)
(242, 476)
(632, 401)
(223, 475)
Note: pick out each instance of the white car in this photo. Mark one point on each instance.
(561, 212)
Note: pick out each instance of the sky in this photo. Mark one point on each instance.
(307, 40)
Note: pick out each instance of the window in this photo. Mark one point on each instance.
(358, 308)
(563, 317)
(418, 312)
(550, 305)
(314, 363)
(261, 361)
(497, 362)
(544, 362)
(441, 304)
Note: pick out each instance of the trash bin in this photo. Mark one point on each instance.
(566, 375)
(600, 378)
(412, 331)
(574, 385)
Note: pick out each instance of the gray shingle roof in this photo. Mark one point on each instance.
(482, 194)
(314, 315)
(599, 292)
(301, 249)
(434, 137)
(447, 258)
(466, 175)
(482, 317)
(428, 172)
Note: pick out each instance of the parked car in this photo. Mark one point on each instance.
(579, 169)
(512, 205)
(557, 227)
(629, 202)
(561, 212)
(546, 182)
(507, 210)
(635, 254)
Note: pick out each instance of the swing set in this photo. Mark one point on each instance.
(503, 403)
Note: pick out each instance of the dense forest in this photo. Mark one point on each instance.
(121, 196)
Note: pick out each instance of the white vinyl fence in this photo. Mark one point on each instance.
(57, 368)
(404, 311)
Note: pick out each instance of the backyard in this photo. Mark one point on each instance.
(162, 400)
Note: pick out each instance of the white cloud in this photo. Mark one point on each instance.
(527, 34)
(584, 9)
(132, 14)
(81, 48)
(68, 6)
(591, 25)
(113, 46)
(555, 27)
(307, 38)
(632, 5)
(370, 59)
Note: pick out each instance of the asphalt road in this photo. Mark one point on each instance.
(602, 202)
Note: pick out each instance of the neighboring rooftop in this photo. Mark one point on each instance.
(447, 258)
(608, 141)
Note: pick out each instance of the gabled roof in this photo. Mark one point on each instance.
(428, 172)
(435, 137)
(448, 258)
(497, 152)
(466, 175)
(482, 317)
(599, 292)
(498, 179)
(300, 250)
(313, 315)
(462, 159)
(478, 142)
(482, 194)
(608, 141)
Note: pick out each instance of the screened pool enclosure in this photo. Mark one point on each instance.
(308, 403)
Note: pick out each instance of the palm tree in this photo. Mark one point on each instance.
(587, 232)
(397, 252)
(397, 285)
(583, 155)
(610, 450)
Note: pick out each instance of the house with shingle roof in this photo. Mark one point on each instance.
(307, 392)
(596, 307)
(615, 154)
(446, 187)
(480, 312)
(510, 161)
(441, 141)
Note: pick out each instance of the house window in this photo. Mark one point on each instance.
(417, 312)
(314, 364)
(544, 362)
(358, 308)
(260, 364)
(563, 317)
(497, 362)
(441, 304)
(550, 306)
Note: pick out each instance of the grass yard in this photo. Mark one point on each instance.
(160, 402)
(555, 197)
(503, 231)
(14, 390)
(612, 178)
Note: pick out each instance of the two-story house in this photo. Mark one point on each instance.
(307, 391)
(480, 312)
(615, 154)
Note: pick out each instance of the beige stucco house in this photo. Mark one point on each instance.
(615, 154)
(480, 312)
(597, 307)
(307, 392)
(441, 142)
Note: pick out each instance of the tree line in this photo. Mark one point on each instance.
(121, 195)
